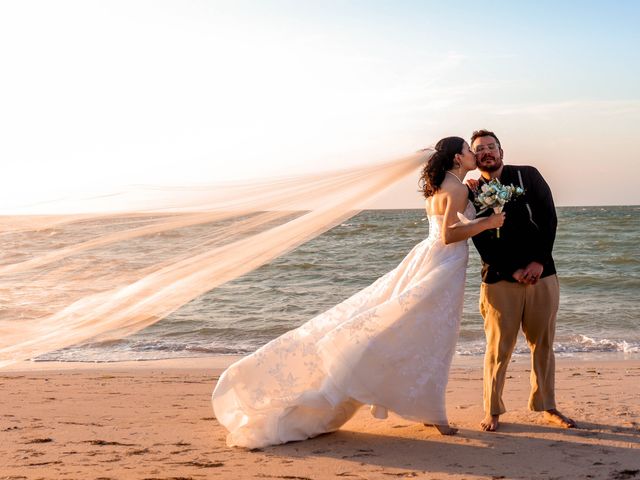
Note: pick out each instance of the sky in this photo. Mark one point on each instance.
(97, 95)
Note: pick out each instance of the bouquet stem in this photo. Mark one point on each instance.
(498, 209)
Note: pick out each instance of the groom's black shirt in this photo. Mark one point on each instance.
(528, 232)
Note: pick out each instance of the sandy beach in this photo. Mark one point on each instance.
(153, 420)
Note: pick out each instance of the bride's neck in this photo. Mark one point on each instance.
(459, 174)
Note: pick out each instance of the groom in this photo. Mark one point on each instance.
(519, 284)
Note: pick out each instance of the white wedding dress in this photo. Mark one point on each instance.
(389, 346)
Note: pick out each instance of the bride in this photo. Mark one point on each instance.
(389, 346)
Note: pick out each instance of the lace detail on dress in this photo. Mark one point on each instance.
(389, 346)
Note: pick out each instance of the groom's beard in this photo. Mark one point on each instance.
(489, 163)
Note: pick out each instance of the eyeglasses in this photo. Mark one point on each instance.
(482, 148)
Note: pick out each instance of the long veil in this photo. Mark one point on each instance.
(68, 279)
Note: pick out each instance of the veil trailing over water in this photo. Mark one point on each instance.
(69, 279)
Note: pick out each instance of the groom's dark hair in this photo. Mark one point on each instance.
(484, 133)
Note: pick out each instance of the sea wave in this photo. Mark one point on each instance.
(140, 350)
(595, 280)
(595, 253)
(576, 344)
(589, 344)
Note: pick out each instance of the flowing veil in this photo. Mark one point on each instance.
(69, 279)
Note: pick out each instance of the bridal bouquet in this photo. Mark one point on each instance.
(494, 195)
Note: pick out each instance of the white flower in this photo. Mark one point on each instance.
(494, 194)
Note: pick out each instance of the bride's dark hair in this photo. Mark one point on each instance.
(435, 170)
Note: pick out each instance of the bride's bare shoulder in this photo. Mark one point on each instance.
(454, 188)
(449, 192)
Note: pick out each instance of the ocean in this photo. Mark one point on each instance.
(596, 254)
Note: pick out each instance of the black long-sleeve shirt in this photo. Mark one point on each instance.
(528, 232)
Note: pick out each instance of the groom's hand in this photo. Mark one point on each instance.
(473, 184)
(518, 275)
(531, 273)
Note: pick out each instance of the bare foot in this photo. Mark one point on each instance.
(490, 423)
(555, 417)
(443, 429)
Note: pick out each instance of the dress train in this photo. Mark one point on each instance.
(389, 345)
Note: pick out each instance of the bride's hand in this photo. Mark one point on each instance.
(495, 220)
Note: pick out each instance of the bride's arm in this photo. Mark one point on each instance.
(455, 231)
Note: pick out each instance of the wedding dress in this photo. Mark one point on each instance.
(389, 346)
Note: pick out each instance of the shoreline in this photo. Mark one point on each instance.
(221, 362)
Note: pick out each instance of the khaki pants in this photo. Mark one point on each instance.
(505, 307)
